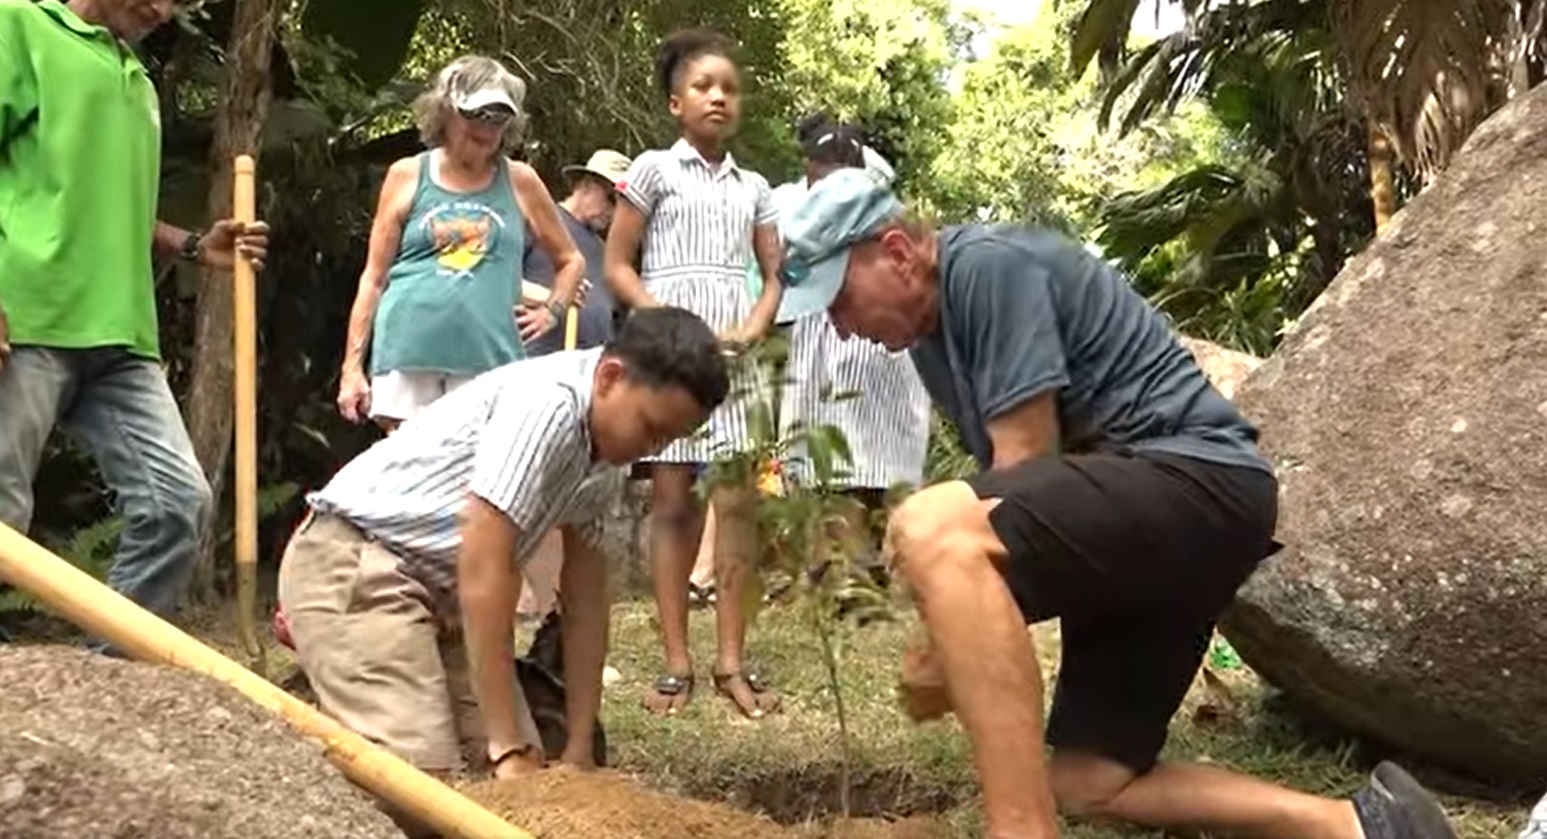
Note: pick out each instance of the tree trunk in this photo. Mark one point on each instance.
(239, 116)
(1383, 191)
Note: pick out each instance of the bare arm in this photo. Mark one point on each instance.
(585, 613)
(167, 240)
(487, 588)
(551, 235)
(623, 240)
(386, 232)
(769, 250)
(1026, 431)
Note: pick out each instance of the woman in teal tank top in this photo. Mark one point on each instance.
(440, 298)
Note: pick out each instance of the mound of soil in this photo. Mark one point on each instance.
(96, 748)
(563, 804)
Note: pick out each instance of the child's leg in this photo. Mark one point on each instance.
(736, 548)
(675, 529)
(703, 565)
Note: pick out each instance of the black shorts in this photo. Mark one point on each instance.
(1137, 555)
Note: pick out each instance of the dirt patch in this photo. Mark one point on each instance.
(562, 804)
(96, 748)
(796, 795)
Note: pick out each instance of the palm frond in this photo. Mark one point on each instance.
(1422, 70)
(1214, 46)
(1102, 30)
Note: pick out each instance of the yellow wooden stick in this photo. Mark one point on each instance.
(244, 287)
(571, 327)
(106, 614)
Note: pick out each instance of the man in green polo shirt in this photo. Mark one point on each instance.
(80, 141)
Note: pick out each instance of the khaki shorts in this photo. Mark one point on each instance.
(380, 660)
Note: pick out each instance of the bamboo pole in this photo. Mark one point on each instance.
(571, 326)
(106, 614)
(244, 206)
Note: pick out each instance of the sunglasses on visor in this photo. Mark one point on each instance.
(490, 114)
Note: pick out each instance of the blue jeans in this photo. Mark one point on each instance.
(119, 407)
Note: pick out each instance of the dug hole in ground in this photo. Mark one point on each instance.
(100, 748)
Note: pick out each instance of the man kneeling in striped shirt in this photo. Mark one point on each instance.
(400, 587)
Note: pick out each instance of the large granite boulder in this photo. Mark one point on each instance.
(1407, 418)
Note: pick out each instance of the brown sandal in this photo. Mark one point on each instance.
(670, 686)
(764, 701)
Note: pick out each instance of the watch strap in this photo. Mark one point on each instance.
(190, 247)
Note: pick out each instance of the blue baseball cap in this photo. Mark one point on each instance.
(839, 211)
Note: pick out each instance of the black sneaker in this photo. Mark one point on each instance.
(1395, 806)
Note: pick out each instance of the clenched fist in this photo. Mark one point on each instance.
(923, 691)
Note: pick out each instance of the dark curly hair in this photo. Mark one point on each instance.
(834, 144)
(681, 48)
(664, 346)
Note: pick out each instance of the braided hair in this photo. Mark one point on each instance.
(683, 47)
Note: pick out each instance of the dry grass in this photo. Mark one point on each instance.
(787, 765)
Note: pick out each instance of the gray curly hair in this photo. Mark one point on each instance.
(434, 108)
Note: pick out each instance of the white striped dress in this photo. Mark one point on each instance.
(886, 422)
(697, 243)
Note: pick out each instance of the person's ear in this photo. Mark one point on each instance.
(674, 104)
(609, 375)
(897, 245)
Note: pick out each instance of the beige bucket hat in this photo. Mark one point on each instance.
(606, 164)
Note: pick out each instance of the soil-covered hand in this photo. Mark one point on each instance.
(579, 758)
(517, 765)
(923, 691)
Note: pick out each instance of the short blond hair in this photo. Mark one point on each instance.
(434, 108)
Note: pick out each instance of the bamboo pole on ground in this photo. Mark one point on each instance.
(244, 287)
(106, 614)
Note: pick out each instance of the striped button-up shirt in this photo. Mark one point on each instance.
(517, 436)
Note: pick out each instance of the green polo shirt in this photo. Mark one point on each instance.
(80, 147)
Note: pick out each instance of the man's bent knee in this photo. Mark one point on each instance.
(938, 533)
(1086, 784)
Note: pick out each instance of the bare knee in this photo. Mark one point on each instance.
(1085, 784)
(937, 535)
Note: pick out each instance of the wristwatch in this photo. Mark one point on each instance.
(190, 248)
(558, 310)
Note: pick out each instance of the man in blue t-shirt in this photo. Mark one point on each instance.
(586, 213)
(1121, 493)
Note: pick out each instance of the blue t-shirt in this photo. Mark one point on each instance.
(1024, 311)
(595, 326)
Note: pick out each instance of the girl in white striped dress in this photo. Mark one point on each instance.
(885, 420)
(694, 219)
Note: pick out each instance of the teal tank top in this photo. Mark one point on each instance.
(451, 292)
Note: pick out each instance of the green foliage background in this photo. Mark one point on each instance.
(1223, 166)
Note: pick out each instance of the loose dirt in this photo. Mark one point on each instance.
(563, 804)
(96, 748)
